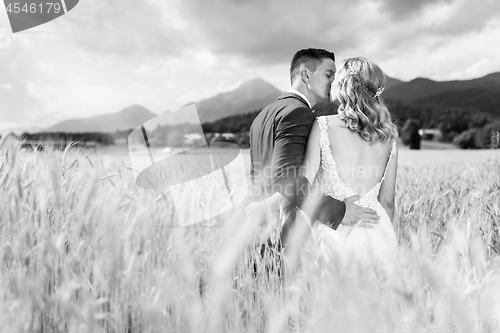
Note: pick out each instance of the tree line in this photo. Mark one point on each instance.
(62, 139)
(466, 128)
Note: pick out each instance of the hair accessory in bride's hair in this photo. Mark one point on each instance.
(357, 83)
(352, 71)
(379, 92)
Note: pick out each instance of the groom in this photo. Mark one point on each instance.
(278, 138)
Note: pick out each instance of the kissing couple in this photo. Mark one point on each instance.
(334, 175)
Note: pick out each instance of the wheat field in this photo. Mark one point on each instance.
(83, 249)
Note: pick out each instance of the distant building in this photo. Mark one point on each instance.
(432, 134)
(218, 138)
(193, 138)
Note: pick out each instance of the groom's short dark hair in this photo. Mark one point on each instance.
(310, 58)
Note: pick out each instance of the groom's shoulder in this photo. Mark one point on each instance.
(289, 105)
(292, 100)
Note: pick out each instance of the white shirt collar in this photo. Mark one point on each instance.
(291, 90)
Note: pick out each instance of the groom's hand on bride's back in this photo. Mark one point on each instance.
(357, 215)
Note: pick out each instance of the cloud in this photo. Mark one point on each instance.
(265, 33)
(467, 16)
(17, 104)
(270, 32)
(460, 57)
(126, 28)
(402, 9)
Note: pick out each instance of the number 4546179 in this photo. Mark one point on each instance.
(34, 8)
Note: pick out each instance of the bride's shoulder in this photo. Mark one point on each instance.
(330, 119)
(335, 122)
(335, 118)
(390, 146)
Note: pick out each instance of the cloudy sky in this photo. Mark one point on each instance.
(105, 55)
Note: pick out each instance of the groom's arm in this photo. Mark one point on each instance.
(292, 131)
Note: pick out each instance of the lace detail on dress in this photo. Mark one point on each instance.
(376, 245)
(328, 178)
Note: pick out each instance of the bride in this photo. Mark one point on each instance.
(354, 154)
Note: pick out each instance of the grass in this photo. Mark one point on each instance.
(83, 249)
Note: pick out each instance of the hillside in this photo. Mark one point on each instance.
(249, 96)
(421, 88)
(127, 118)
(484, 100)
(392, 82)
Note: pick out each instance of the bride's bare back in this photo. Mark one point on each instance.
(360, 165)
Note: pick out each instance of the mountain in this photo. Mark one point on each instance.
(421, 88)
(482, 94)
(392, 82)
(485, 100)
(127, 118)
(495, 77)
(250, 96)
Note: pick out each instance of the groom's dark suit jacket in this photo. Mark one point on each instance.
(278, 138)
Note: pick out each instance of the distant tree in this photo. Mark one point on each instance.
(448, 137)
(466, 139)
(410, 133)
(243, 140)
(485, 137)
(107, 139)
(232, 124)
(479, 120)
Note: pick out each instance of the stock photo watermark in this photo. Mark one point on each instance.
(26, 14)
(204, 180)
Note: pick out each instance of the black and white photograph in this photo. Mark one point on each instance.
(250, 166)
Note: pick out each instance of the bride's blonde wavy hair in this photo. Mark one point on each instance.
(361, 108)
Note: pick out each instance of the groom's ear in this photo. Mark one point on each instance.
(304, 75)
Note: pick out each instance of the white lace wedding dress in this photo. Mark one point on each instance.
(374, 246)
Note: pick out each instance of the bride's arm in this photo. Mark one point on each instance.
(310, 163)
(387, 190)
